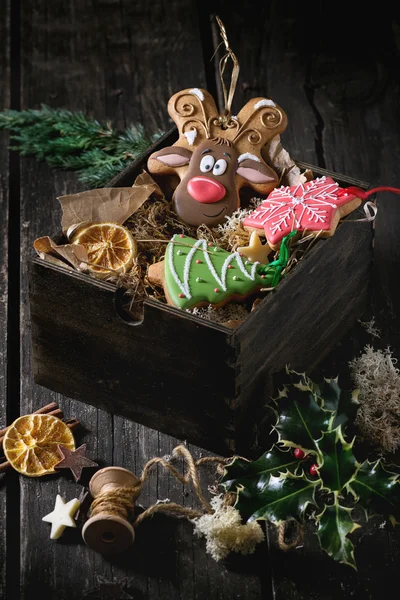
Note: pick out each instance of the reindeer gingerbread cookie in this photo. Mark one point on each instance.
(215, 155)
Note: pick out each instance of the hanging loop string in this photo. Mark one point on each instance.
(228, 96)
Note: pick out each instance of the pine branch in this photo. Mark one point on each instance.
(70, 140)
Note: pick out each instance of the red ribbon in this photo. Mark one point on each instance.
(356, 191)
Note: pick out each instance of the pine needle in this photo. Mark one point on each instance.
(70, 140)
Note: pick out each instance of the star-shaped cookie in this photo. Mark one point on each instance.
(313, 207)
(75, 460)
(256, 251)
(62, 516)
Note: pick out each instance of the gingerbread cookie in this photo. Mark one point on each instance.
(316, 206)
(215, 158)
(197, 273)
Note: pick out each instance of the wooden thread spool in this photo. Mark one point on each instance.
(105, 532)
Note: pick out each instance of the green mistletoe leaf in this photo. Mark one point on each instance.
(338, 461)
(300, 420)
(274, 462)
(334, 524)
(376, 488)
(277, 498)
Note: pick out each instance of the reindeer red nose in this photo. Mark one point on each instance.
(206, 190)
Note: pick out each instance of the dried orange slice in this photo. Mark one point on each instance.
(110, 247)
(30, 444)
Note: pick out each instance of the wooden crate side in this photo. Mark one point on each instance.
(171, 372)
(304, 318)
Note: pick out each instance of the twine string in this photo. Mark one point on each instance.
(120, 501)
(290, 534)
(116, 502)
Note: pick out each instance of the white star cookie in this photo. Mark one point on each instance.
(256, 251)
(62, 516)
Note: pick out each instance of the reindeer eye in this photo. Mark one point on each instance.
(207, 163)
(220, 167)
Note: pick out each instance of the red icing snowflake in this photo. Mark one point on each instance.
(310, 206)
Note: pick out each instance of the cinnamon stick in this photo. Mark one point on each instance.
(4, 466)
(41, 411)
(72, 424)
(55, 413)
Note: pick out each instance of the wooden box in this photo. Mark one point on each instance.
(177, 373)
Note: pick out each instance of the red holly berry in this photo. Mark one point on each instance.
(313, 470)
(298, 453)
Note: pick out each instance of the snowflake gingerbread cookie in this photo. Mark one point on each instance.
(316, 206)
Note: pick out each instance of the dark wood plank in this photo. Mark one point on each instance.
(134, 60)
(358, 107)
(4, 102)
(270, 50)
(114, 80)
(342, 104)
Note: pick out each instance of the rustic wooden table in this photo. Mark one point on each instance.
(121, 60)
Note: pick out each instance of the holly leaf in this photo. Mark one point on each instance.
(301, 381)
(329, 396)
(376, 488)
(300, 419)
(334, 524)
(343, 402)
(274, 462)
(338, 462)
(276, 499)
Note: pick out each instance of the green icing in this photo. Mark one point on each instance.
(197, 281)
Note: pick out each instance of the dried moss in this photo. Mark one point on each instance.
(225, 532)
(378, 419)
(227, 314)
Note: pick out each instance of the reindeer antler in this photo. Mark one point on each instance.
(197, 119)
(256, 124)
(195, 114)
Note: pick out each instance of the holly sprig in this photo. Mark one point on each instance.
(312, 464)
(70, 140)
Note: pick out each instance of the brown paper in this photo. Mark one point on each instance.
(74, 254)
(281, 161)
(107, 205)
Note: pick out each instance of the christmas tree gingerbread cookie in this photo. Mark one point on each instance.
(316, 206)
(215, 155)
(198, 273)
